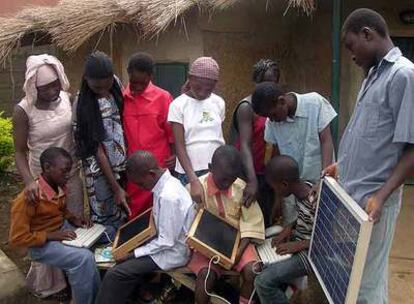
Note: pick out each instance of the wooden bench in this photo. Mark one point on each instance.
(182, 276)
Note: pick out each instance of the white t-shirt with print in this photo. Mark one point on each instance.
(202, 120)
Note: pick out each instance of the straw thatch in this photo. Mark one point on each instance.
(71, 23)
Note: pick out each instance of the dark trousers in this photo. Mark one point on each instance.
(121, 280)
(266, 199)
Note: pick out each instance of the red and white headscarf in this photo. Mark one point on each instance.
(205, 67)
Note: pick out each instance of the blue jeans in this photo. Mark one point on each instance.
(78, 264)
(274, 279)
(184, 178)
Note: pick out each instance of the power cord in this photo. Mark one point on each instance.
(215, 260)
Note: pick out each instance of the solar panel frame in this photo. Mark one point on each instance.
(361, 246)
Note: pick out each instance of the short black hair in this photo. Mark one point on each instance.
(228, 158)
(365, 17)
(140, 162)
(51, 154)
(141, 62)
(282, 168)
(261, 67)
(264, 95)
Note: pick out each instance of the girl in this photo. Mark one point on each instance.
(100, 141)
(196, 117)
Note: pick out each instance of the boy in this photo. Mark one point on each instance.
(173, 213)
(298, 125)
(145, 123)
(39, 227)
(376, 153)
(223, 193)
(282, 174)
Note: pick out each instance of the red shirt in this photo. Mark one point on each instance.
(258, 143)
(145, 122)
(146, 128)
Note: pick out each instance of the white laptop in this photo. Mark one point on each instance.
(86, 237)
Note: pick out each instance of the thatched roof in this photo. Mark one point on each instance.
(70, 23)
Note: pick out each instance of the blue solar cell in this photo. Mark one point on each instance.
(334, 244)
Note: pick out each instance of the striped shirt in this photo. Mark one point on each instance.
(304, 224)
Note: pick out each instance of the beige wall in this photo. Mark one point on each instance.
(248, 32)
(176, 45)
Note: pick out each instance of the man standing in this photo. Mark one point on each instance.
(376, 153)
(145, 123)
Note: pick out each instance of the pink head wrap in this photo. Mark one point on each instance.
(41, 70)
(205, 67)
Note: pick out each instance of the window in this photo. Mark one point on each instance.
(171, 77)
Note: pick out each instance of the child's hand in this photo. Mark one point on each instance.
(282, 236)
(67, 235)
(31, 193)
(249, 194)
(289, 248)
(197, 192)
(121, 198)
(81, 222)
(331, 170)
(170, 162)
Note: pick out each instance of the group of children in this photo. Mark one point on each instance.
(128, 139)
(42, 227)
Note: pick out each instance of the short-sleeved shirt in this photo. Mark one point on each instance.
(304, 224)
(202, 121)
(380, 128)
(227, 204)
(298, 137)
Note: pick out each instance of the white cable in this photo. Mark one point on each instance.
(107, 236)
(215, 259)
(255, 272)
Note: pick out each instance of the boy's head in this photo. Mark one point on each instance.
(140, 70)
(269, 100)
(281, 173)
(225, 167)
(363, 32)
(56, 165)
(266, 70)
(142, 169)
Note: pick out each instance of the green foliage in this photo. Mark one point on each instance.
(6, 143)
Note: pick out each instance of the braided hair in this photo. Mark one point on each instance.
(261, 67)
(90, 130)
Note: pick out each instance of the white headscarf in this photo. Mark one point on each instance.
(46, 75)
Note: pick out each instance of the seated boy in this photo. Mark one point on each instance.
(39, 227)
(223, 193)
(173, 212)
(282, 174)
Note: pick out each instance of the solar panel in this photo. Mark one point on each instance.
(339, 243)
